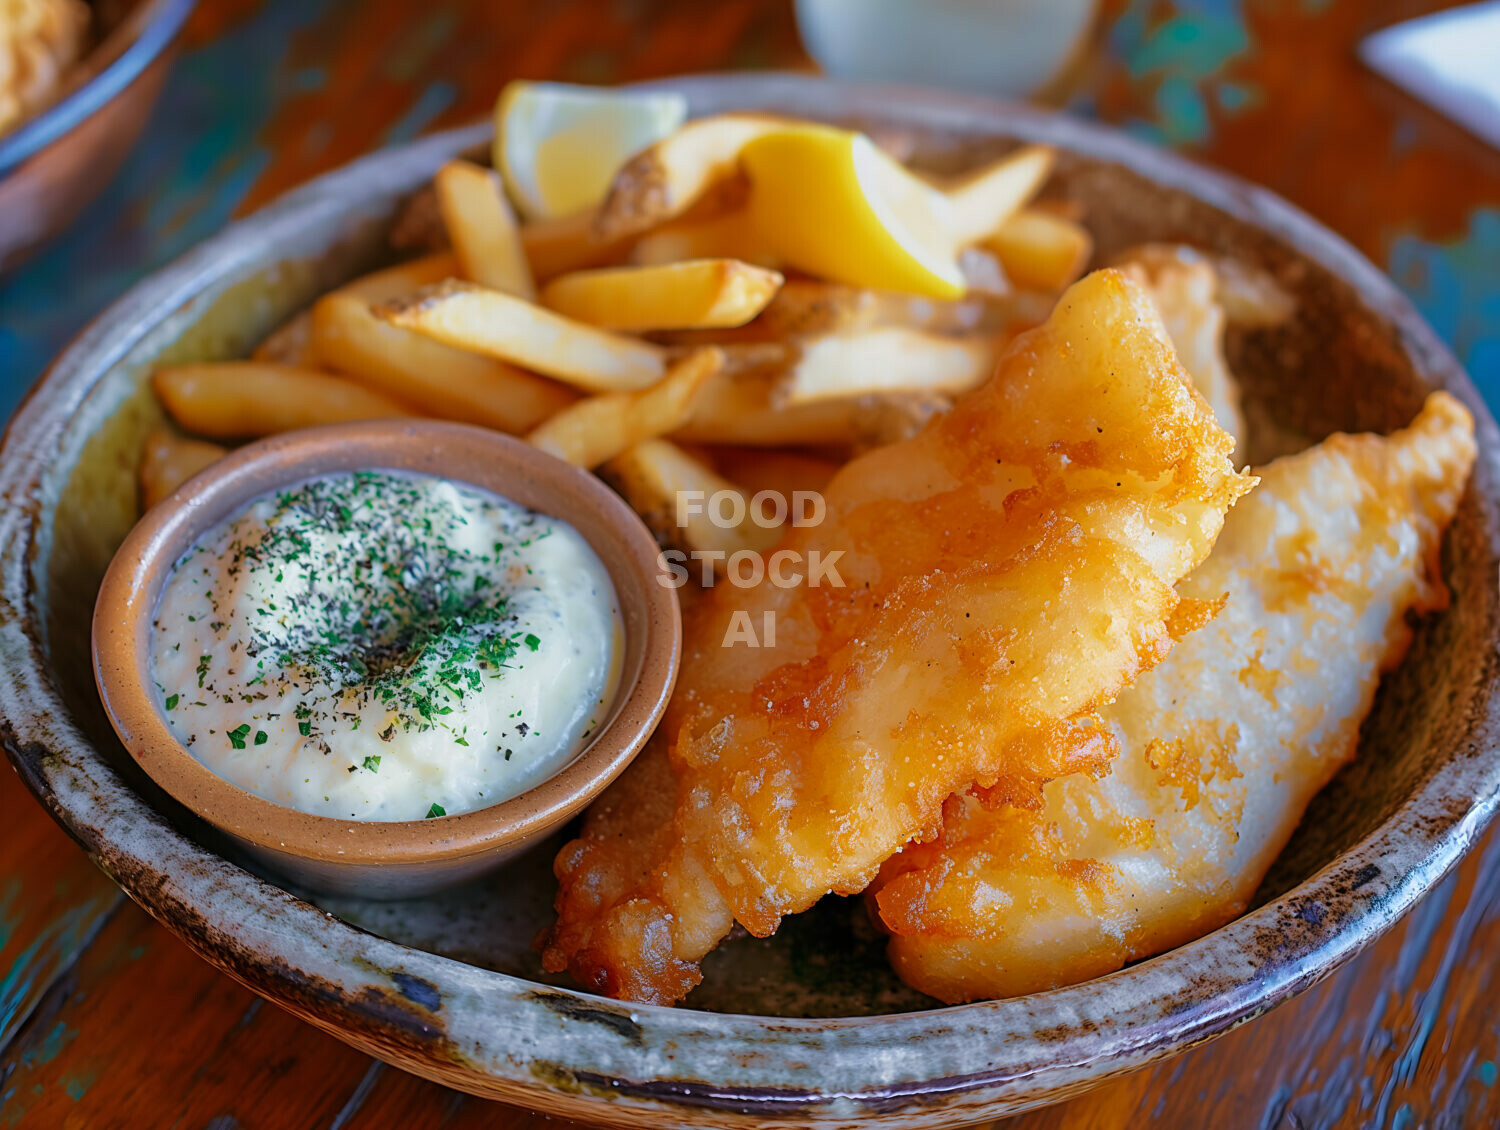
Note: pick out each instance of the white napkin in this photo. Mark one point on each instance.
(1450, 60)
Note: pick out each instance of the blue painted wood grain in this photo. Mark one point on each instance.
(196, 160)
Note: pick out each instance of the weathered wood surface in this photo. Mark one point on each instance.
(107, 1020)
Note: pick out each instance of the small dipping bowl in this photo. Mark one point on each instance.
(385, 859)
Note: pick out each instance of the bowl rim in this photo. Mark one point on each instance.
(576, 1053)
(132, 587)
(147, 31)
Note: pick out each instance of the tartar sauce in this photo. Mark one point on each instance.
(383, 646)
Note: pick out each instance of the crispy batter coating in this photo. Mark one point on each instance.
(1184, 285)
(1223, 744)
(1004, 571)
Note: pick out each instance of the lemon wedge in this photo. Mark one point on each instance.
(558, 146)
(830, 203)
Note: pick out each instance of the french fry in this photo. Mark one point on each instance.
(800, 308)
(886, 360)
(984, 200)
(289, 343)
(658, 479)
(1041, 250)
(234, 399)
(664, 180)
(729, 235)
(569, 243)
(810, 306)
(742, 409)
(483, 229)
(170, 460)
(784, 472)
(805, 307)
(598, 428)
(449, 383)
(403, 278)
(742, 359)
(500, 325)
(697, 294)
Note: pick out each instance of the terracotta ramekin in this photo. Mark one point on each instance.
(396, 858)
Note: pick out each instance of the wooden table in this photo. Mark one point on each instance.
(107, 1020)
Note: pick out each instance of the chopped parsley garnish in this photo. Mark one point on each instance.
(372, 763)
(238, 735)
(171, 703)
(409, 621)
(261, 737)
(435, 810)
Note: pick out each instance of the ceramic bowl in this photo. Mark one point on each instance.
(808, 1028)
(385, 859)
(53, 164)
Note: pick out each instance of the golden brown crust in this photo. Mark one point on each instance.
(1006, 570)
(1221, 747)
(666, 179)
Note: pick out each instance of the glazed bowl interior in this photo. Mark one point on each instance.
(1354, 357)
(391, 857)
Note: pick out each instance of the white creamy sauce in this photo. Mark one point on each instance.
(383, 646)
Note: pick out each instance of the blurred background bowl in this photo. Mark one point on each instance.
(54, 163)
(1001, 48)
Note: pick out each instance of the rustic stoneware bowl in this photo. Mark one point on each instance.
(807, 1028)
(386, 859)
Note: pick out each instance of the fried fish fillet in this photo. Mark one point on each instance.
(1222, 745)
(1005, 570)
(1184, 286)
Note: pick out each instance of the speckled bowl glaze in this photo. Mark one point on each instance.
(807, 1028)
(401, 858)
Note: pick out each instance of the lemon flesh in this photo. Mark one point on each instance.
(828, 202)
(559, 146)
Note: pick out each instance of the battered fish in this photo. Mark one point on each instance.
(1185, 286)
(1004, 571)
(1223, 744)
